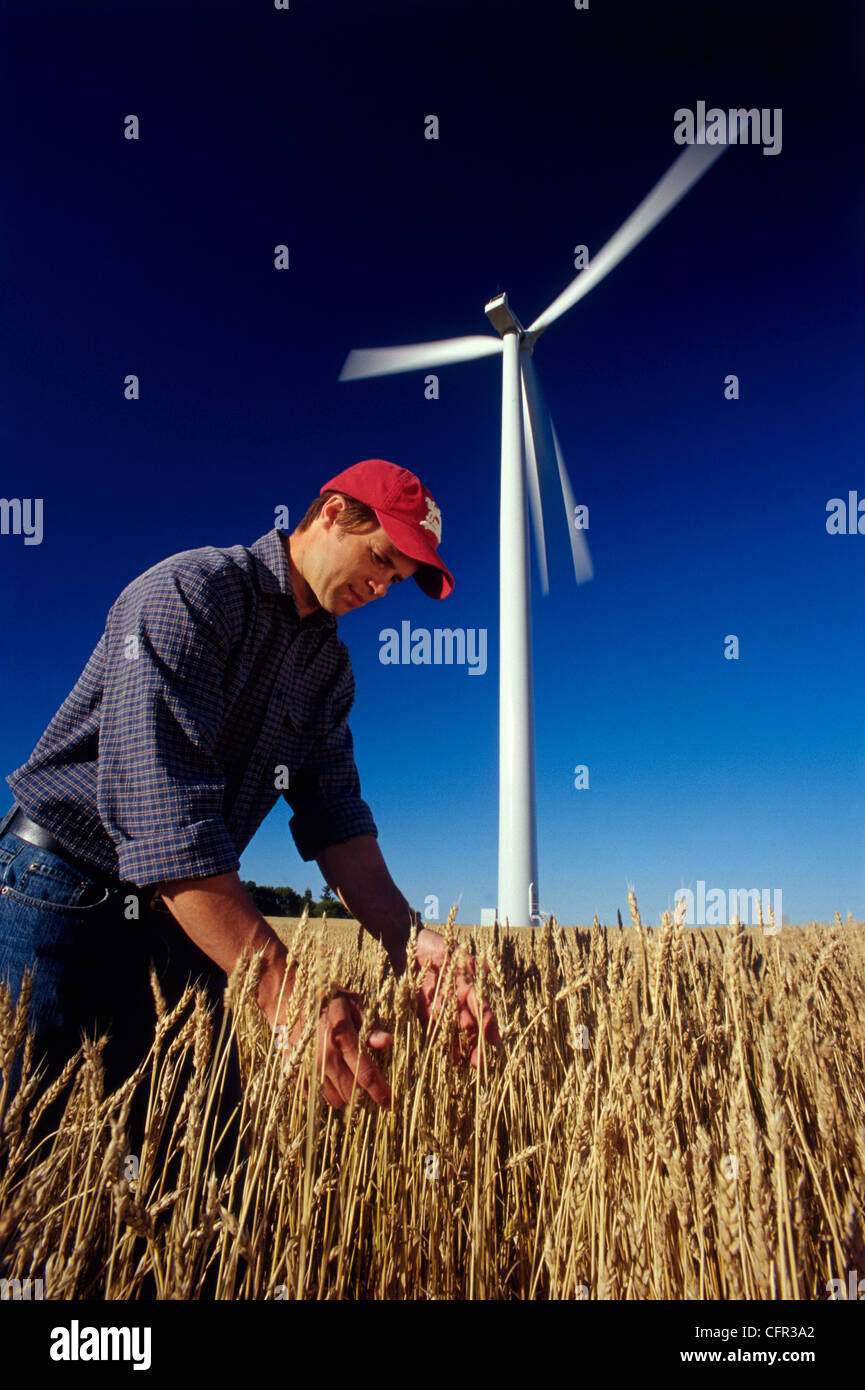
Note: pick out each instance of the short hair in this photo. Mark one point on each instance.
(354, 516)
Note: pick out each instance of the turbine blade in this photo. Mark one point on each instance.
(547, 448)
(384, 361)
(534, 485)
(579, 549)
(683, 173)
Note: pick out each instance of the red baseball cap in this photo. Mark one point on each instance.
(405, 510)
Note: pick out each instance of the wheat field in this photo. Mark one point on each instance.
(672, 1114)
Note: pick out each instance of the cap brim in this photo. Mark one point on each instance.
(433, 577)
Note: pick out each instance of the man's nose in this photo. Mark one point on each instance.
(378, 587)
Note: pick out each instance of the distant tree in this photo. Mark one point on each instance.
(291, 903)
(330, 904)
(284, 901)
(274, 902)
(263, 897)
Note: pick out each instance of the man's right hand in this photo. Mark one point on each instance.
(431, 952)
(342, 1067)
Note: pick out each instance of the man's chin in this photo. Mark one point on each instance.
(337, 605)
(345, 603)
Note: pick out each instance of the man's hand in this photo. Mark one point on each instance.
(217, 914)
(432, 952)
(341, 1065)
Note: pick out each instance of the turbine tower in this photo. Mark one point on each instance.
(529, 446)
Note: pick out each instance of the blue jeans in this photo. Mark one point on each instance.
(90, 956)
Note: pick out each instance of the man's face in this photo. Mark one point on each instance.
(346, 569)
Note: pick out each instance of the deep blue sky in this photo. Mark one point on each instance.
(707, 516)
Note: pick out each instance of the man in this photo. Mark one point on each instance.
(218, 684)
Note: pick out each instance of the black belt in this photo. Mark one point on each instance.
(27, 829)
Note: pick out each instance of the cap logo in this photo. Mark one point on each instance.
(433, 519)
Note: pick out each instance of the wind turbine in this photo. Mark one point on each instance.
(529, 441)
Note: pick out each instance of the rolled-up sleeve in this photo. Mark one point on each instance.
(161, 786)
(325, 793)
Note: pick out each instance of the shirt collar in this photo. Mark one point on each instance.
(275, 578)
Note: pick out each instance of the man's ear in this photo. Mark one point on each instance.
(331, 509)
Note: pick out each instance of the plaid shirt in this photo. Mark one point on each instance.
(205, 699)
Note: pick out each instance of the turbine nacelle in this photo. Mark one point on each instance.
(504, 320)
(502, 317)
